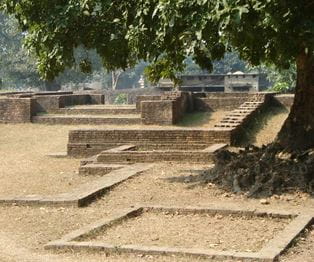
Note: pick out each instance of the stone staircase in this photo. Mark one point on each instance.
(243, 113)
(91, 115)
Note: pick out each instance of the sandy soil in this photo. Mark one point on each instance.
(194, 231)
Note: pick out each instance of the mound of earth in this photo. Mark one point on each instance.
(264, 171)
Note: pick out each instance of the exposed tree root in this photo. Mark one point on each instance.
(264, 171)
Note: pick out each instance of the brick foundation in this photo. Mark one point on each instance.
(83, 143)
(16, 110)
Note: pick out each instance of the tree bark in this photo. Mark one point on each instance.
(297, 132)
(115, 75)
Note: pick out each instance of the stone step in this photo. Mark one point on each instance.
(231, 121)
(97, 110)
(87, 119)
(92, 149)
(131, 157)
(234, 118)
(227, 125)
(253, 102)
(95, 169)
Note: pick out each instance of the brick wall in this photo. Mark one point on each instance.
(132, 94)
(166, 110)
(214, 104)
(51, 103)
(84, 143)
(141, 98)
(219, 101)
(16, 110)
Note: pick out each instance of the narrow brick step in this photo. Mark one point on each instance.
(96, 169)
(227, 125)
(253, 102)
(247, 107)
(87, 119)
(130, 157)
(230, 121)
(243, 111)
(97, 110)
(92, 149)
(234, 118)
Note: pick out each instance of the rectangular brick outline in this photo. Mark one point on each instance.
(83, 194)
(270, 252)
(131, 149)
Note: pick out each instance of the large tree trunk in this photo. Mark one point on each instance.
(297, 132)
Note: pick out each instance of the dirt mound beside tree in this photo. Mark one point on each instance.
(264, 171)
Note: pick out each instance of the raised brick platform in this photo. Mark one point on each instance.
(84, 143)
(124, 155)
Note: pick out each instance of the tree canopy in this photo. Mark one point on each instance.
(165, 32)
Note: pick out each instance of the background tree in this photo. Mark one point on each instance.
(17, 69)
(165, 32)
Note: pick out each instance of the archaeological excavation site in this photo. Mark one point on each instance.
(85, 179)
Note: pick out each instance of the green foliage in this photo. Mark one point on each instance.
(281, 87)
(17, 69)
(121, 99)
(164, 32)
(282, 80)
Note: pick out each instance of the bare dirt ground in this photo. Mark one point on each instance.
(25, 230)
(193, 231)
(25, 167)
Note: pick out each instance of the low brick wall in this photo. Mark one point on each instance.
(48, 103)
(131, 157)
(132, 94)
(158, 112)
(142, 98)
(218, 103)
(16, 110)
(167, 110)
(83, 143)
